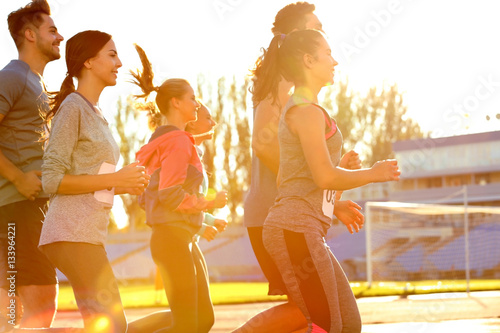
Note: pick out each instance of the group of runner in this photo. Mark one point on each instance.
(298, 173)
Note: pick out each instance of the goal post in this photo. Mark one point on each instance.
(416, 242)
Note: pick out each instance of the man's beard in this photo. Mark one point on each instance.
(48, 52)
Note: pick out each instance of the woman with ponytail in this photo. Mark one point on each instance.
(270, 92)
(173, 202)
(78, 172)
(310, 151)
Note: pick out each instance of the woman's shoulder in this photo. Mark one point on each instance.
(72, 106)
(306, 110)
(170, 138)
(306, 116)
(73, 101)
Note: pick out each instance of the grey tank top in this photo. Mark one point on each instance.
(301, 206)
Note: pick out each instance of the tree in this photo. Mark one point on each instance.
(396, 125)
(238, 159)
(371, 123)
(227, 157)
(130, 138)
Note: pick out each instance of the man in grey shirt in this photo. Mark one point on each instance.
(24, 270)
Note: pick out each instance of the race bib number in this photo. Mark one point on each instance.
(106, 196)
(328, 202)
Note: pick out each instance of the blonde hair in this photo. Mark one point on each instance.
(171, 88)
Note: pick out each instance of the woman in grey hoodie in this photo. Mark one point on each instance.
(79, 172)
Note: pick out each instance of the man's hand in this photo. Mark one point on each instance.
(29, 184)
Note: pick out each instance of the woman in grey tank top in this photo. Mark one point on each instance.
(310, 148)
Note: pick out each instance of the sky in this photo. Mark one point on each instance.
(443, 55)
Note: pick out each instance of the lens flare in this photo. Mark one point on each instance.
(102, 324)
(211, 193)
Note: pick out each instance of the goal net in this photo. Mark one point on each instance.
(413, 242)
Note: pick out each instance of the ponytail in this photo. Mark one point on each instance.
(266, 73)
(154, 116)
(282, 59)
(145, 79)
(169, 89)
(55, 100)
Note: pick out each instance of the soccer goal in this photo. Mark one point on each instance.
(415, 242)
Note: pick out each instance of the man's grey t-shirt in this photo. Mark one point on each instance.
(261, 195)
(21, 100)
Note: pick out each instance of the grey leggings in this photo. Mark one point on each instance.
(314, 279)
(96, 291)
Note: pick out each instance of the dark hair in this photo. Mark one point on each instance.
(283, 58)
(31, 14)
(171, 88)
(289, 18)
(79, 48)
(292, 17)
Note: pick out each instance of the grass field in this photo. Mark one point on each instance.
(145, 295)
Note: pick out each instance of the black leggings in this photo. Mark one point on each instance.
(96, 291)
(183, 270)
(266, 263)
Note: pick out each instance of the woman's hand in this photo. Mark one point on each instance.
(220, 224)
(385, 170)
(132, 176)
(130, 190)
(220, 200)
(348, 212)
(209, 233)
(350, 161)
